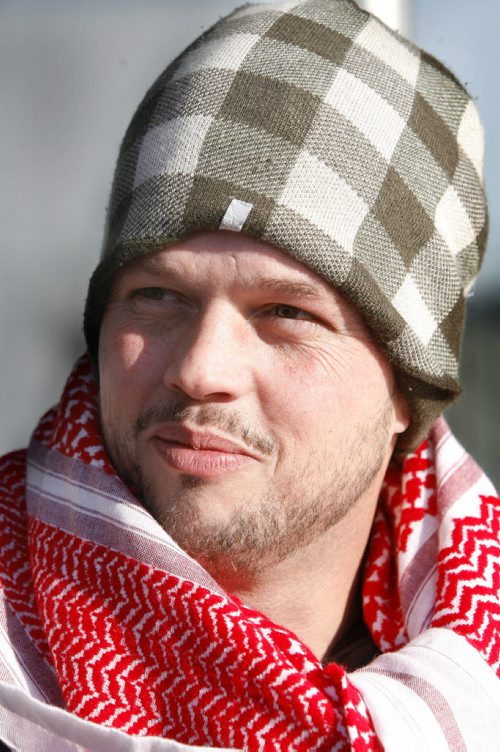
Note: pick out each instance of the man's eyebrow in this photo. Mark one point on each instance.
(151, 265)
(289, 287)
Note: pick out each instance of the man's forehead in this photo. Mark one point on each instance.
(256, 264)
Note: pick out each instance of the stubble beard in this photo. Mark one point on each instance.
(260, 533)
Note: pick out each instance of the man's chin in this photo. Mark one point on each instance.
(210, 530)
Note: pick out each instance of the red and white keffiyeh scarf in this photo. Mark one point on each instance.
(104, 619)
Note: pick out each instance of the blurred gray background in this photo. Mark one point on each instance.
(71, 74)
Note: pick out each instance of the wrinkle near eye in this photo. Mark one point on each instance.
(336, 359)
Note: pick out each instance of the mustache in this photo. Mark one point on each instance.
(207, 416)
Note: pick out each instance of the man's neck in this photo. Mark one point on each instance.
(316, 591)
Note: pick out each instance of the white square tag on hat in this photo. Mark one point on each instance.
(236, 215)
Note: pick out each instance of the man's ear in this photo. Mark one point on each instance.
(402, 415)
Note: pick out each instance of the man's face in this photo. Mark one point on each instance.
(243, 398)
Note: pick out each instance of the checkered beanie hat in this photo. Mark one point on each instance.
(313, 127)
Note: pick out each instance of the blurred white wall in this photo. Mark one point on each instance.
(71, 74)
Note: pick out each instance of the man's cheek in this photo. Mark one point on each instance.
(129, 352)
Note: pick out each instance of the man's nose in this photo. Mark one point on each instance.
(212, 362)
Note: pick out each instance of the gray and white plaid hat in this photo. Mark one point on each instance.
(311, 126)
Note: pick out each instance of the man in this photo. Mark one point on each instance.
(246, 491)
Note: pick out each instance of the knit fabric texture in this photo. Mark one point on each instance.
(313, 127)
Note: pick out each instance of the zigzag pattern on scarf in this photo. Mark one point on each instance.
(469, 581)
(15, 572)
(72, 427)
(152, 654)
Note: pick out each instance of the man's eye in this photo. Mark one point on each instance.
(152, 293)
(290, 312)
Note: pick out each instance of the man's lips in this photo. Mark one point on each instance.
(202, 440)
(200, 453)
